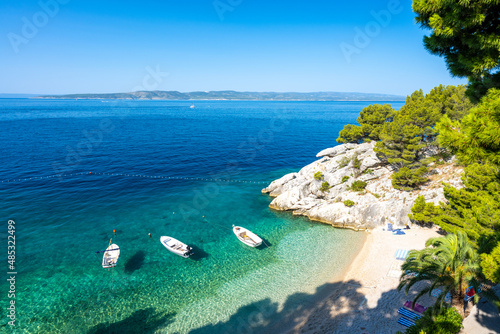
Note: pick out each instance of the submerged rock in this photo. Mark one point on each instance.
(340, 166)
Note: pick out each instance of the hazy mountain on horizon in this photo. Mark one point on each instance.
(234, 95)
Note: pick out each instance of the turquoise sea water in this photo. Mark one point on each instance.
(158, 167)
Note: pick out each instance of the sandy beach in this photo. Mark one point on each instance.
(367, 300)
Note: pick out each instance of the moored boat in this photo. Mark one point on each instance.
(247, 237)
(176, 247)
(111, 255)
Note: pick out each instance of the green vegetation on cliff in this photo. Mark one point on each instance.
(403, 136)
(466, 34)
(474, 209)
(477, 137)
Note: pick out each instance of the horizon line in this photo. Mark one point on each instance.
(207, 91)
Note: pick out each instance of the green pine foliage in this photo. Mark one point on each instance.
(466, 34)
(477, 136)
(474, 209)
(413, 127)
(318, 176)
(371, 120)
(357, 186)
(451, 101)
(403, 135)
(345, 178)
(491, 264)
(424, 213)
(350, 134)
(349, 203)
(325, 186)
(409, 179)
(356, 163)
(344, 161)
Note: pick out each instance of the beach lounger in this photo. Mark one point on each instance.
(417, 309)
(409, 314)
(405, 322)
(401, 254)
(437, 292)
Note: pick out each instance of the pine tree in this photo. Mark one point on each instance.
(474, 209)
(403, 140)
(371, 120)
(490, 263)
(408, 179)
(466, 34)
(477, 136)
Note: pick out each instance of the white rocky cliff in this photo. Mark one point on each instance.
(378, 204)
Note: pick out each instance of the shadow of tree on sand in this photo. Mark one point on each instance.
(339, 307)
(135, 262)
(266, 316)
(143, 321)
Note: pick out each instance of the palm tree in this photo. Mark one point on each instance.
(449, 263)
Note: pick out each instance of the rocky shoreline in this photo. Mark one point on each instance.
(378, 204)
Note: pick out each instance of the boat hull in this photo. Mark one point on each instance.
(247, 237)
(176, 247)
(111, 255)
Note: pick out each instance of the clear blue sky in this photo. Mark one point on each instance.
(246, 45)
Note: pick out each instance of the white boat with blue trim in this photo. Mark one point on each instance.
(176, 247)
(111, 255)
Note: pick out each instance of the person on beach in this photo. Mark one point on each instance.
(469, 295)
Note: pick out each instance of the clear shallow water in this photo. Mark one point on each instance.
(61, 286)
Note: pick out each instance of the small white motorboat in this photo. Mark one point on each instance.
(111, 255)
(192, 106)
(176, 247)
(247, 237)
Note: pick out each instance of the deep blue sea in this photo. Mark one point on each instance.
(72, 171)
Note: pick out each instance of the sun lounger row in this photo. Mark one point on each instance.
(405, 322)
(409, 314)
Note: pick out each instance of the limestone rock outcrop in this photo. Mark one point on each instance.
(340, 166)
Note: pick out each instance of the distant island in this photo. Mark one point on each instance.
(233, 95)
